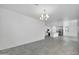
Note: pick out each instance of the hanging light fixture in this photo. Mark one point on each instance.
(44, 16)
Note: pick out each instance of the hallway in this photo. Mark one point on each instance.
(54, 46)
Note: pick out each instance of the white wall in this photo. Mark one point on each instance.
(17, 29)
(72, 34)
(72, 26)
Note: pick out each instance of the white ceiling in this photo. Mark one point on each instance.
(57, 12)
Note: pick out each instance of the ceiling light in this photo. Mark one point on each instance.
(44, 16)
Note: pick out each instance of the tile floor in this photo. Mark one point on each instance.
(48, 46)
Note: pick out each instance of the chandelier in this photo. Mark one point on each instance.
(44, 16)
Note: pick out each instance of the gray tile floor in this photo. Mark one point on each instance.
(48, 46)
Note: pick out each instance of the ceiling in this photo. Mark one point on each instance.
(57, 12)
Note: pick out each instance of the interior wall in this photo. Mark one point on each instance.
(17, 29)
(71, 29)
(78, 28)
